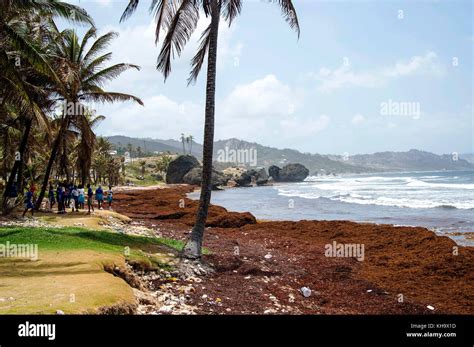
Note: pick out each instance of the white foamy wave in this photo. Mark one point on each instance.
(409, 203)
(418, 183)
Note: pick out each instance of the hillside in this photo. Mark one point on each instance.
(264, 156)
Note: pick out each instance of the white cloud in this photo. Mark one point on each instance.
(104, 3)
(136, 45)
(161, 118)
(358, 119)
(344, 76)
(266, 97)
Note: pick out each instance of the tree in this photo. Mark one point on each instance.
(23, 39)
(189, 140)
(179, 20)
(82, 76)
(183, 139)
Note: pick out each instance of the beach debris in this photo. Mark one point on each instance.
(430, 307)
(369, 290)
(59, 312)
(268, 256)
(291, 298)
(306, 292)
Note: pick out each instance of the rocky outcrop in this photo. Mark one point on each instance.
(260, 175)
(274, 172)
(289, 173)
(179, 167)
(194, 177)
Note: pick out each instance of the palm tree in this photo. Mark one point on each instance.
(179, 20)
(82, 76)
(183, 138)
(23, 37)
(190, 139)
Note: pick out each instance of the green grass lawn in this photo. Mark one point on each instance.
(71, 264)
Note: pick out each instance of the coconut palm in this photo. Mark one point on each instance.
(24, 65)
(82, 77)
(183, 139)
(179, 19)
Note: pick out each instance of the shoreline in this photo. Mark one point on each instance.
(462, 238)
(400, 262)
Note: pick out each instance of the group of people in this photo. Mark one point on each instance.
(71, 196)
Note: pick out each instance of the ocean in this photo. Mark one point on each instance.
(441, 201)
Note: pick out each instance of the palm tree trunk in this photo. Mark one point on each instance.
(52, 159)
(17, 165)
(193, 248)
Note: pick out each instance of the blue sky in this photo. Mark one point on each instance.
(322, 93)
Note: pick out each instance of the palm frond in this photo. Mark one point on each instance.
(100, 44)
(198, 59)
(231, 9)
(131, 7)
(289, 14)
(102, 96)
(108, 74)
(181, 28)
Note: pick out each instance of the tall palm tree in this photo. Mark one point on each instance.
(179, 19)
(82, 76)
(183, 138)
(22, 37)
(190, 139)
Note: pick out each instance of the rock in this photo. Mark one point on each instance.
(306, 292)
(244, 180)
(261, 176)
(274, 172)
(289, 173)
(194, 176)
(179, 167)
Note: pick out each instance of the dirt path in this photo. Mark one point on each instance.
(260, 267)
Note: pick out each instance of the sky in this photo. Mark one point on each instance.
(363, 77)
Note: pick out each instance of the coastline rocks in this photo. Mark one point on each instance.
(261, 176)
(274, 172)
(179, 167)
(289, 173)
(244, 180)
(194, 177)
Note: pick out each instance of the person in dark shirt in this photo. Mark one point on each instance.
(52, 200)
(90, 202)
(99, 196)
(29, 202)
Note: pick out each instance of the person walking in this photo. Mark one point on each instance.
(110, 197)
(51, 198)
(90, 202)
(99, 196)
(29, 202)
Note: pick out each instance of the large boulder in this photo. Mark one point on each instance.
(194, 176)
(179, 167)
(289, 173)
(261, 176)
(293, 173)
(244, 180)
(274, 172)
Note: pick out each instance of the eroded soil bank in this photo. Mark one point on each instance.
(261, 266)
